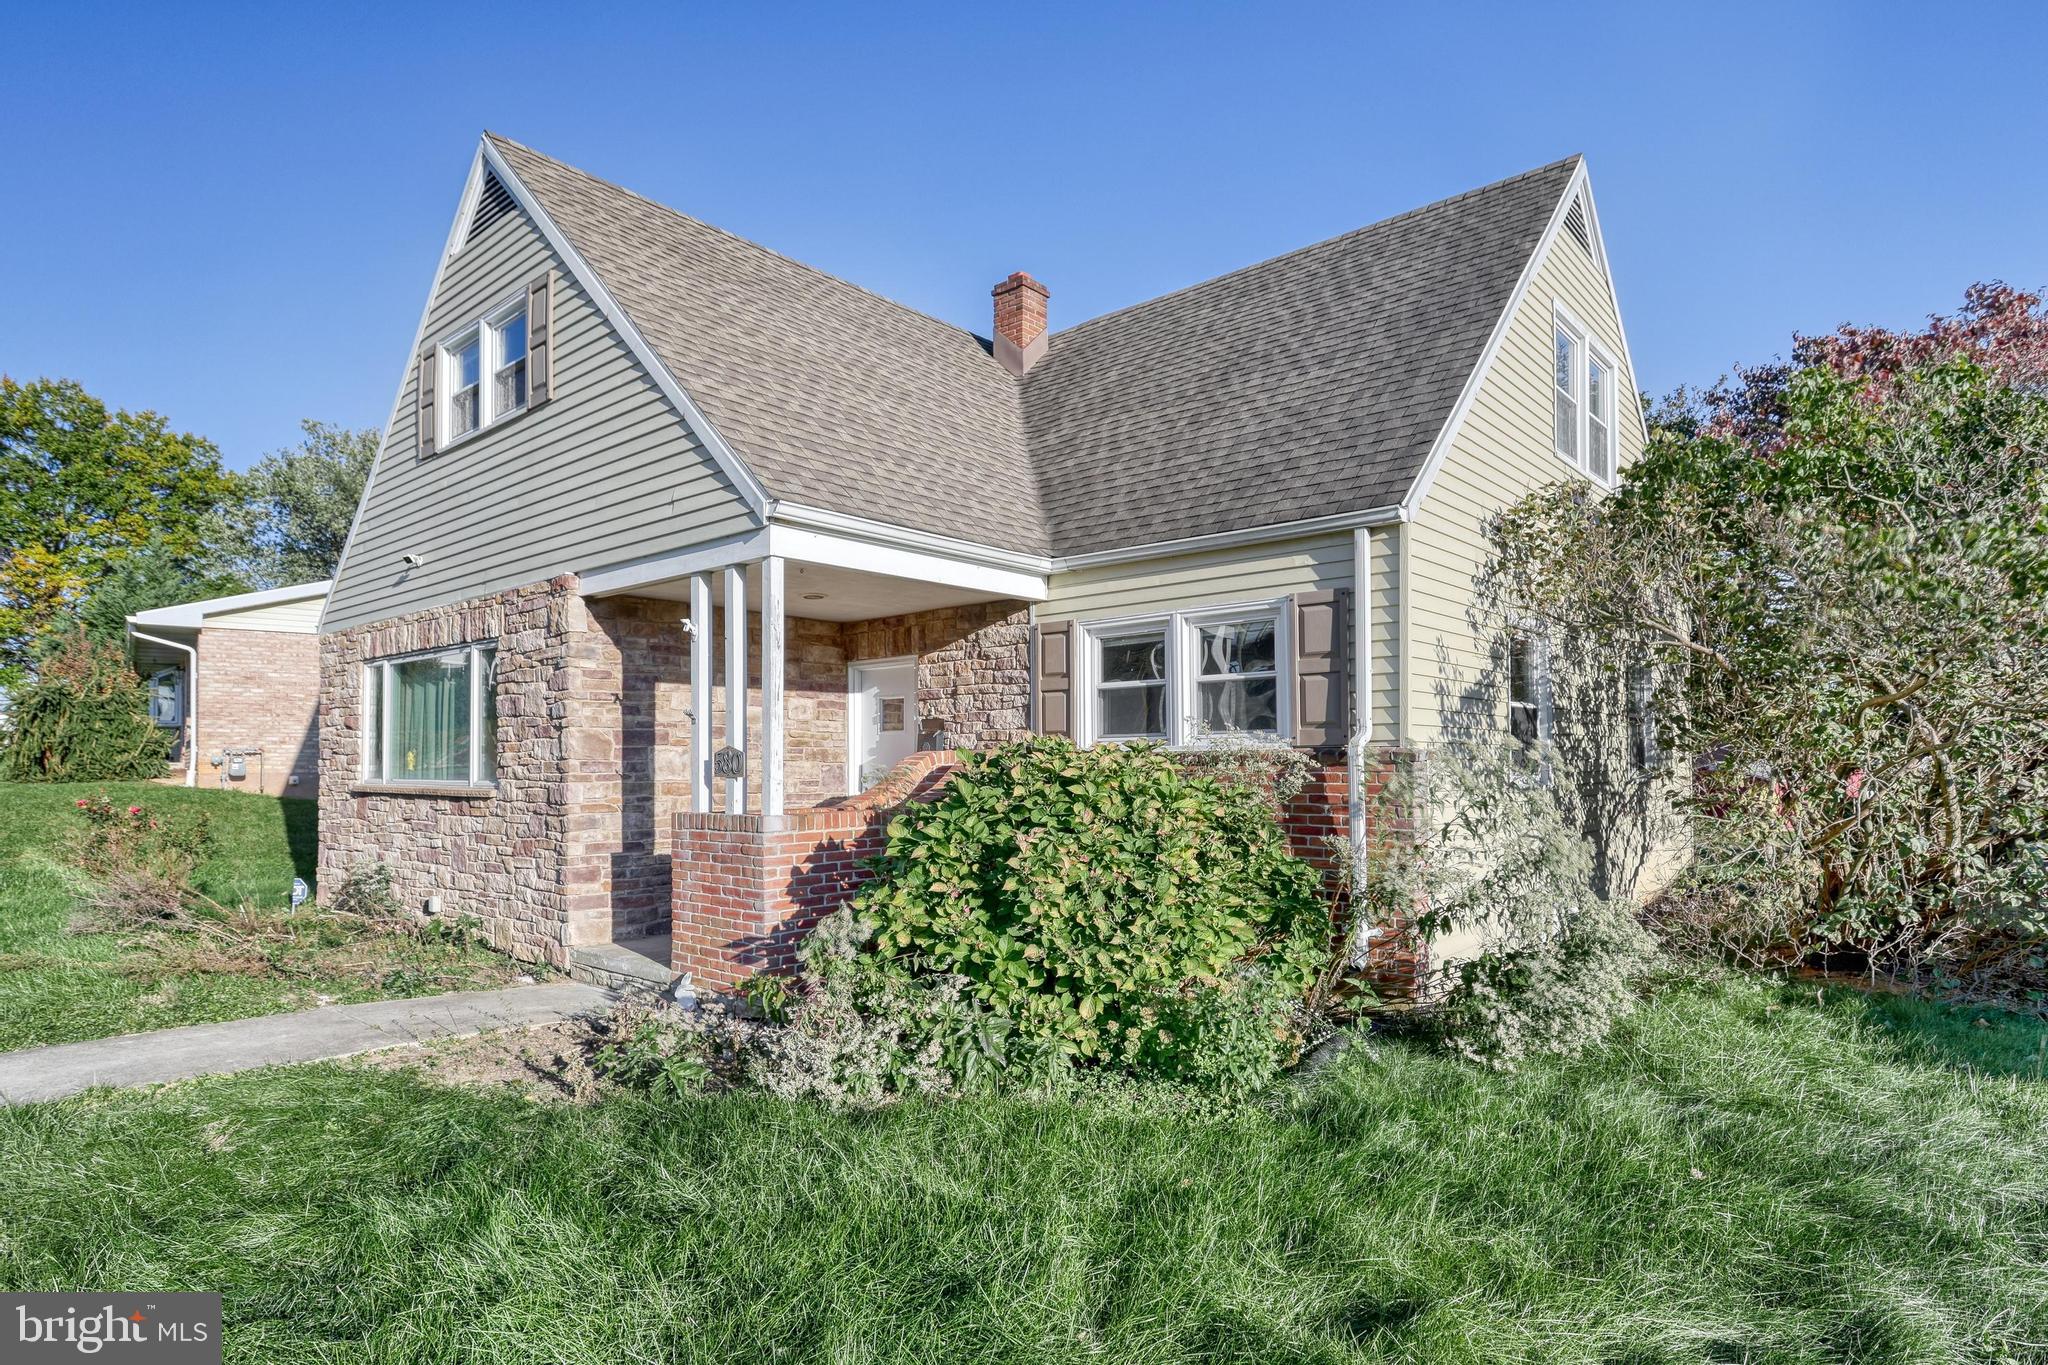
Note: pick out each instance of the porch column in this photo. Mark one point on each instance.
(771, 685)
(736, 683)
(700, 692)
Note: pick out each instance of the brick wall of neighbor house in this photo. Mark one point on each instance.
(260, 689)
(575, 845)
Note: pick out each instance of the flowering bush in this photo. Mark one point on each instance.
(141, 863)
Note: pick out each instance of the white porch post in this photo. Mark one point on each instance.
(772, 626)
(700, 692)
(736, 682)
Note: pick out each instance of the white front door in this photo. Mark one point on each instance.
(881, 709)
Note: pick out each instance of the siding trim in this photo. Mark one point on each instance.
(728, 461)
(1221, 540)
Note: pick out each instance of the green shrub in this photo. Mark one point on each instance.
(1495, 861)
(85, 718)
(1104, 899)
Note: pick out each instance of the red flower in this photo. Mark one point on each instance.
(135, 810)
(82, 803)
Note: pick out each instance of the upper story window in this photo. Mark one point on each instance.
(483, 372)
(1583, 381)
(432, 718)
(1188, 675)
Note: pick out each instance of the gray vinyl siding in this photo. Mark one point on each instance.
(1245, 573)
(605, 473)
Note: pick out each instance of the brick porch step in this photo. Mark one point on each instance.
(631, 966)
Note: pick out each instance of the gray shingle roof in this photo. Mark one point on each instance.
(1307, 385)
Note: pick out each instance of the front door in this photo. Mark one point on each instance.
(882, 719)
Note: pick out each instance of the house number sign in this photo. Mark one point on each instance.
(729, 762)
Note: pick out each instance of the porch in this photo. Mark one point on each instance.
(846, 659)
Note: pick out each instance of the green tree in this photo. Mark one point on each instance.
(152, 575)
(85, 718)
(305, 499)
(81, 488)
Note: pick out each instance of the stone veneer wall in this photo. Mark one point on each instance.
(260, 689)
(497, 856)
(593, 698)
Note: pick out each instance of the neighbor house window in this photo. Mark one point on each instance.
(431, 718)
(483, 370)
(1528, 689)
(1189, 676)
(1583, 380)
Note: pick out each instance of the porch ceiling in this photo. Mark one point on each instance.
(826, 592)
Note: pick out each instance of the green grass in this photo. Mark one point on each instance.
(1744, 1173)
(57, 986)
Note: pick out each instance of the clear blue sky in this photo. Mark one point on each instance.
(231, 216)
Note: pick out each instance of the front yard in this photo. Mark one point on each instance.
(57, 986)
(1743, 1172)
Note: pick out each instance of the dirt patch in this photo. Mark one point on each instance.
(548, 1063)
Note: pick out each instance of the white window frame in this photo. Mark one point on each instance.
(485, 329)
(381, 741)
(1182, 693)
(1586, 348)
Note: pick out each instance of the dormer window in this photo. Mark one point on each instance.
(1583, 379)
(483, 370)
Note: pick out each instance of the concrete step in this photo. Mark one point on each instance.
(631, 966)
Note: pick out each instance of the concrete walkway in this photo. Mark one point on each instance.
(48, 1073)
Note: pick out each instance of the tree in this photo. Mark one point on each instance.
(152, 575)
(85, 718)
(81, 488)
(306, 498)
(1840, 571)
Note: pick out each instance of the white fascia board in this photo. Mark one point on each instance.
(1223, 540)
(927, 542)
(742, 478)
(845, 552)
(192, 614)
(639, 573)
(1440, 450)
(464, 207)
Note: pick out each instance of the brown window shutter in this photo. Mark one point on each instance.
(540, 340)
(1322, 700)
(428, 424)
(1052, 677)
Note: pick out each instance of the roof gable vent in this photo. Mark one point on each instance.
(1575, 223)
(492, 203)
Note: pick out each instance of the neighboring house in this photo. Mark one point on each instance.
(638, 468)
(237, 680)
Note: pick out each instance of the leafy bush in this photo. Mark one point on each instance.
(141, 863)
(85, 718)
(1496, 864)
(1103, 899)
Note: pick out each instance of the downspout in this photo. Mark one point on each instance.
(191, 701)
(1355, 752)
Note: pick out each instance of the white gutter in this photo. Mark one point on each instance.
(1361, 732)
(191, 701)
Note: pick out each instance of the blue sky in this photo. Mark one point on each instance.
(232, 215)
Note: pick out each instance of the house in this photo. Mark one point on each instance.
(237, 681)
(674, 545)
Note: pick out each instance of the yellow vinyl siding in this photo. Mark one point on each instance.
(1245, 573)
(1503, 451)
(298, 618)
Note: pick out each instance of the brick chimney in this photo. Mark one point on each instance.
(1020, 322)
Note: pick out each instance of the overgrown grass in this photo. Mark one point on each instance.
(57, 986)
(1743, 1173)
